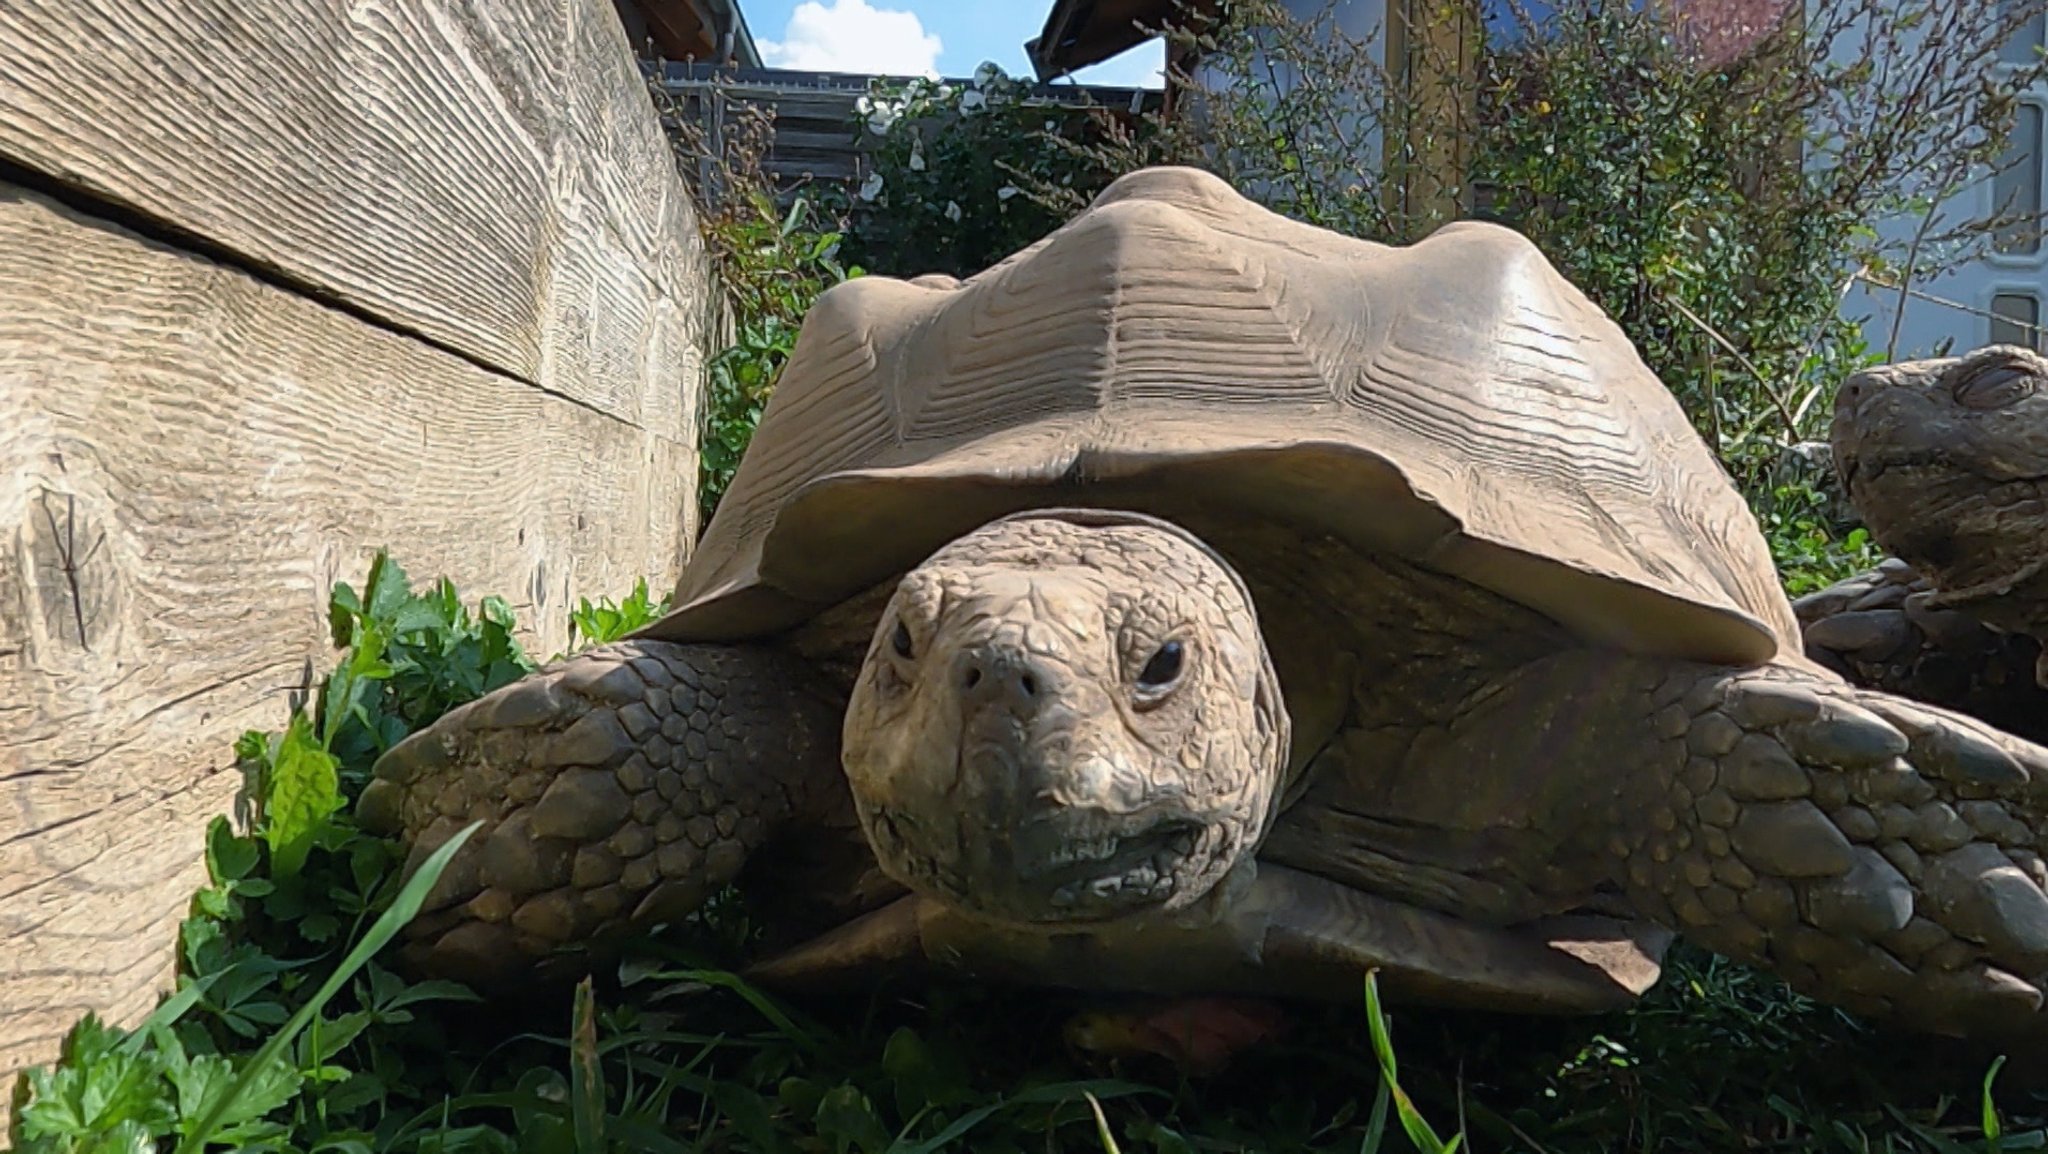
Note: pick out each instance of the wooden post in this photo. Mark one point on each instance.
(1432, 62)
(283, 282)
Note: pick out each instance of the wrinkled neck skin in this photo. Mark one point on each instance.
(1068, 717)
(1947, 462)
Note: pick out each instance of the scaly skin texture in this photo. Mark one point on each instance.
(624, 786)
(1947, 462)
(1880, 630)
(1065, 720)
(1018, 749)
(619, 788)
(1880, 854)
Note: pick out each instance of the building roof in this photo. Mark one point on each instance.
(708, 31)
(1079, 33)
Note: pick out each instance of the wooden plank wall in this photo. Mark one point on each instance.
(281, 282)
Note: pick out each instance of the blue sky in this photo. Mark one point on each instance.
(950, 37)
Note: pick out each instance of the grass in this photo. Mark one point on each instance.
(286, 1033)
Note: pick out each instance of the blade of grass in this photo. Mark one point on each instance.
(755, 998)
(1058, 1092)
(586, 1077)
(171, 1010)
(403, 909)
(1993, 1129)
(1418, 1128)
(1376, 1125)
(1102, 1126)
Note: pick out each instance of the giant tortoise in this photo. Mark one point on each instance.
(1202, 602)
(1946, 460)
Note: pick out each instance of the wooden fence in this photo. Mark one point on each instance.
(282, 282)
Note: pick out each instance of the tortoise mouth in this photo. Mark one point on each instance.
(1142, 864)
(1975, 531)
(1058, 867)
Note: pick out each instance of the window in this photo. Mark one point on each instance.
(2024, 45)
(2016, 188)
(2016, 320)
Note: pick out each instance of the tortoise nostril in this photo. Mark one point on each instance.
(999, 673)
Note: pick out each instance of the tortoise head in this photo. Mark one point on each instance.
(1947, 462)
(1067, 716)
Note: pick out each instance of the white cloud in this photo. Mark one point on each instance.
(1141, 67)
(851, 36)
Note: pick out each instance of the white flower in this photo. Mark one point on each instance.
(945, 92)
(985, 72)
(953, 210)
(871, 187)
(1006, 192)
(972, 100)
(879, 114)
(916, 161)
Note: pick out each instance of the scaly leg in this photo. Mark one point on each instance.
(1880, 854)
(619, 789)
(1877, 630)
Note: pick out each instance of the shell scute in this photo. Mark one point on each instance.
(1455, 401)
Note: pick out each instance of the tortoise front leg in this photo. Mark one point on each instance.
(1880, 854)
(619, 788)
(1877, 630)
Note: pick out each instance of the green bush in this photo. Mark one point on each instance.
(773, 252)
(961, 170)
(773, 263)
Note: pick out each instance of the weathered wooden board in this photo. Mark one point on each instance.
(189, 458)
(481, 172)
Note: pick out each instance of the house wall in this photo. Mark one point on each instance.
(1987, 301)
(1359, 20)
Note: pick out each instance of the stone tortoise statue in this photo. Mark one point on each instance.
(1945, 460)
(1201, 602)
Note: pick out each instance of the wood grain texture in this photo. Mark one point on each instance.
(488, 175)
(189, 458)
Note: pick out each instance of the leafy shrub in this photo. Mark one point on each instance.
(251, 1051)
(952, 163)
(773, 263)
(608, 621)
(773, 253)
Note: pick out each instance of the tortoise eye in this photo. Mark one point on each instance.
(1164, 668)
(1995, 387)
(900, 640)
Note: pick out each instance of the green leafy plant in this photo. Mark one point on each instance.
(124, 1091)
(773, 262)
(606, 621)
(962, 173)
(773, 252)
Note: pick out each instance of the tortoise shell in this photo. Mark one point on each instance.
(1178, 349)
